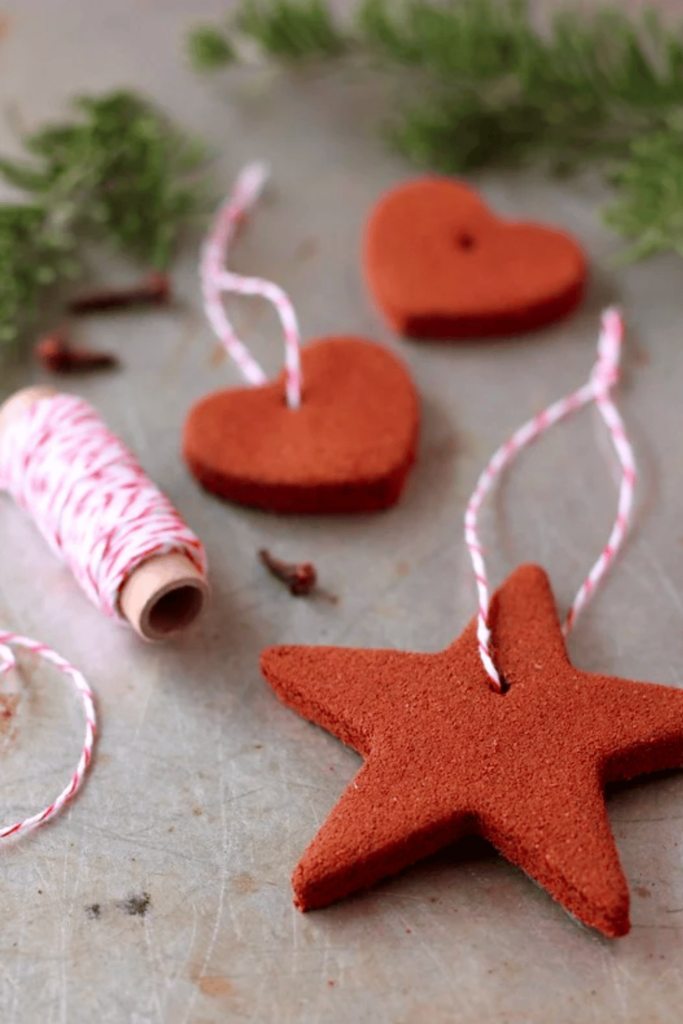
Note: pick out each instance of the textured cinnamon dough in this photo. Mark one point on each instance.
(447, 756)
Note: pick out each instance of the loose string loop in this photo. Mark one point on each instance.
(215, 279)
(603, 379)
(81, 687)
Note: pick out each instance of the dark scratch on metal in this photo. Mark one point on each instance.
(136, 905)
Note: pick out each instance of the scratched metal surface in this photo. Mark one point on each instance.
(163, 894)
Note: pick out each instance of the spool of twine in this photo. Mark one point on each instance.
(162, 587)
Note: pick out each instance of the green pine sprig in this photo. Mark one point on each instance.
(118, 174)
(478, 85)
(290, 30)
(648, 209)
(209, 48)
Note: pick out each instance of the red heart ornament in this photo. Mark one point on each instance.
(440, 264)
(348, 448)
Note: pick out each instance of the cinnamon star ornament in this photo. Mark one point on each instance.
(446, 756)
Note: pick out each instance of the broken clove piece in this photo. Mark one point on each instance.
(55, 353)
(155, 290)
(301, 579)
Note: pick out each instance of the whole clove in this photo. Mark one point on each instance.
(55, 353)
(301, 579)
(154, 290)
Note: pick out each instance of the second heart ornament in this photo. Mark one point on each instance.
(347, 448)
(336, 432)
(440, 264)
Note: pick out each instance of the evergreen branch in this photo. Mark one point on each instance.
(292, 30)
(209, 48)
(118, 174)
(495, 90)
(649, 207)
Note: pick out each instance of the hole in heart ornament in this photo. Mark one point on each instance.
(464, 240)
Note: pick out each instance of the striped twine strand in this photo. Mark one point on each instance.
(598, 389)
(86, 695)
(216, 279)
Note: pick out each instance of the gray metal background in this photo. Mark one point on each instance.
(163, 894)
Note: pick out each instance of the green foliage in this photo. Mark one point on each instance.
(481, 39)
(293, 30)
(35, 252)
(478, 85)
(209, 48)
(649, 208)
(118, 173)
(497, 91)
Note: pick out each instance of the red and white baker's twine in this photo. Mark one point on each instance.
(96, 508)
(82, 688)
(216, 279)
(598, 389)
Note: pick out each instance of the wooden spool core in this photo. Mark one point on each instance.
(165, 593)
